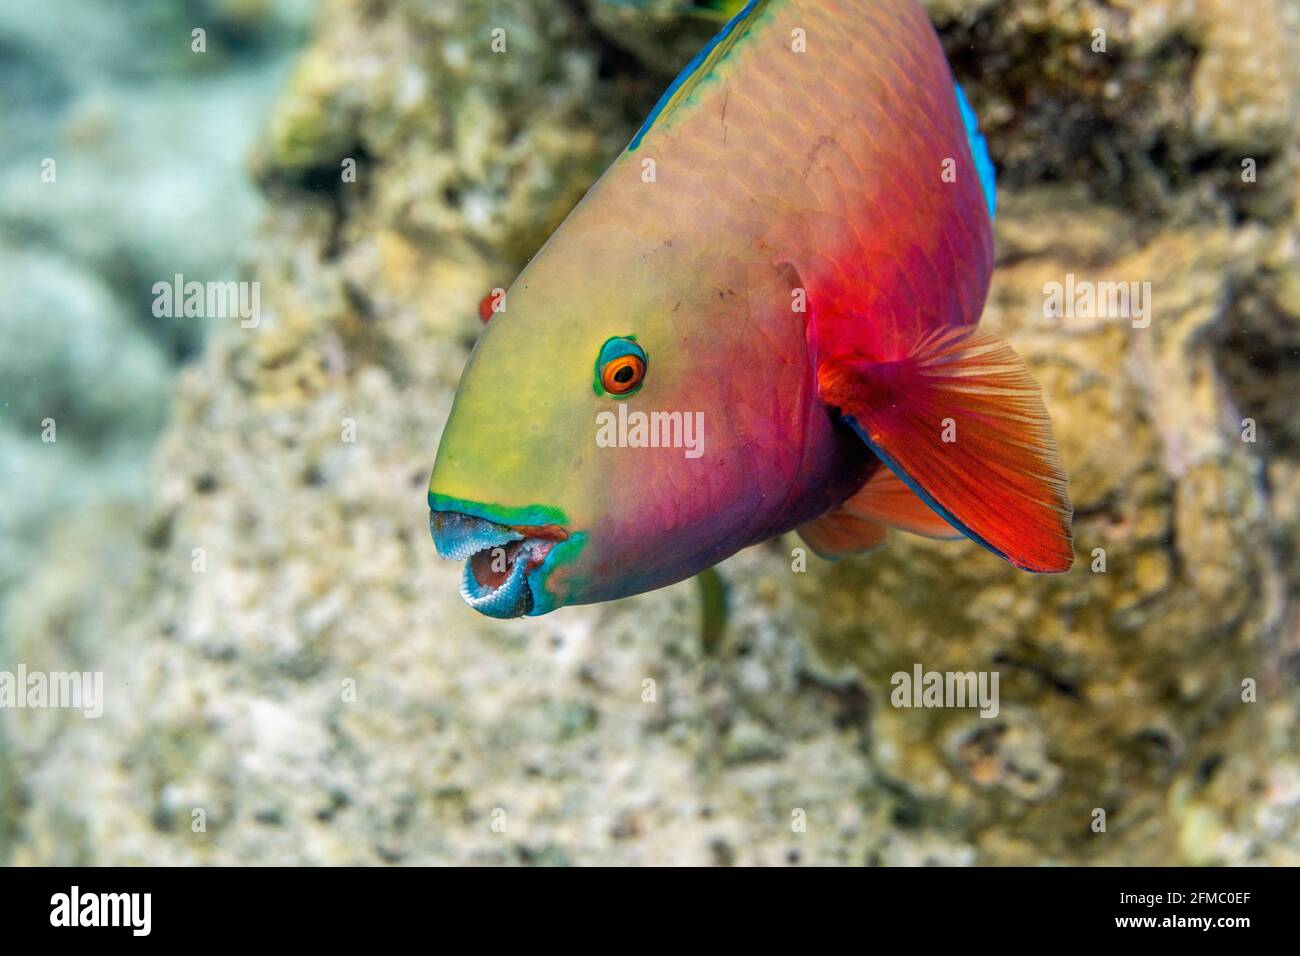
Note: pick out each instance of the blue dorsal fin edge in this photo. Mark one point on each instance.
(979, 149)
(687, 73)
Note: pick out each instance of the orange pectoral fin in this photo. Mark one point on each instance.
(839, 534)
(887, 499)
(962, 423)
(860, 524)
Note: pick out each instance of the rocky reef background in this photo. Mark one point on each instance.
(317, 693)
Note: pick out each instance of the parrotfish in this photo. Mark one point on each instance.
(793, 252)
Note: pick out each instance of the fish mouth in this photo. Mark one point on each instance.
(498, 559)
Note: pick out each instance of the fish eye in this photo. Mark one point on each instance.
(620, 367)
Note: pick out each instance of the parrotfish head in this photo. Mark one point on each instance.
(613, 433)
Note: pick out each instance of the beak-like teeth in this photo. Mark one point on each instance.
(511, 598)
(458, 536)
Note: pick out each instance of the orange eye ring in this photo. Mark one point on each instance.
(622, 375)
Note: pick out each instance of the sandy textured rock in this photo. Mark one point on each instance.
(319, 692)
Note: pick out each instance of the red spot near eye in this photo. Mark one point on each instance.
(485, 310)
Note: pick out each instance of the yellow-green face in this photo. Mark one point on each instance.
(544, 467)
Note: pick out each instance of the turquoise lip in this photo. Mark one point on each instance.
(527, 515)
(561, 552)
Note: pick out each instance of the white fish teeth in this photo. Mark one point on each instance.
(510, 599)
(458, 537)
